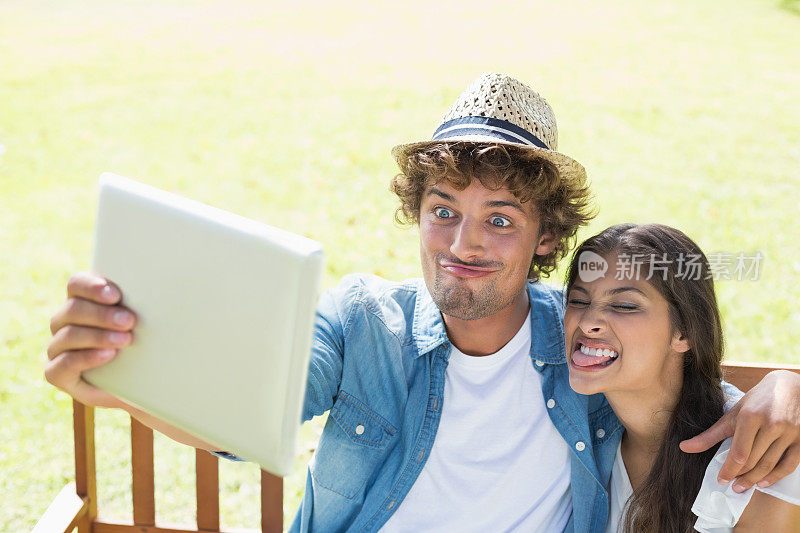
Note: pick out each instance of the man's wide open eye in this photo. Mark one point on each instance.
(442, 212)
(499, 222)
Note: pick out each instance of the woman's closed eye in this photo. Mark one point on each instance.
(577, 302)
(625, 307)
(618, 307)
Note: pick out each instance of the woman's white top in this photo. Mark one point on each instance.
(717, 507)
(620, 489)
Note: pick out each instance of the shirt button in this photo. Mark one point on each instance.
(580, 446)
(539, 363)
(601, 433)
(360, 429)
(551, 403)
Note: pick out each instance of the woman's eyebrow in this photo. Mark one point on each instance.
(625, 289)
(610, 291)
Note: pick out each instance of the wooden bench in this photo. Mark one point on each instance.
(76, 504)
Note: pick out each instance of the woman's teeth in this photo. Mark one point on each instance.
(598, 352)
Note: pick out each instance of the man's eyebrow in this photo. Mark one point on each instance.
(442, 194)
(493, 203)
(506, 203)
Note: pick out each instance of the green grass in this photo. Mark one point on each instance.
(683, 113)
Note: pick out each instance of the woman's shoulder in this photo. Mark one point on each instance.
(718, 507)
(769, 513)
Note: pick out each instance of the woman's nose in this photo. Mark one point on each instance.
(591, 321)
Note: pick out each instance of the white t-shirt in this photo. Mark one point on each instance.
(717, 507)
(497, 463)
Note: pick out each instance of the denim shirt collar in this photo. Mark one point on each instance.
(547, 342)
(428, 326)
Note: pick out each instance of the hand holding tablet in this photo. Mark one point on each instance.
(225, 309)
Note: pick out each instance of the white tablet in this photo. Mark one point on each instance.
(226, 308)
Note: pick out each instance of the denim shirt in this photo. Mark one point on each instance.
(378, 364)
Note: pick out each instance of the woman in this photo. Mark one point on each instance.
(647, 333)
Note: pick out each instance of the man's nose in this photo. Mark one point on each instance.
(467, 242)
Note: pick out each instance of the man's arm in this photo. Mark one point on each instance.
(765, 426)
(327, 348)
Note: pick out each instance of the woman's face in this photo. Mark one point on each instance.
(618, 333)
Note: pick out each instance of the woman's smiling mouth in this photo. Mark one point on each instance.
(592, 355)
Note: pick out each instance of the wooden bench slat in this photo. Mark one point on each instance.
(85, 473)
(112, 527)
(207, 467)
(144, 500)
(127, 527)
(271, 503)
(746, 375)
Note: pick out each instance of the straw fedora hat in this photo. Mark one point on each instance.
(500, 109)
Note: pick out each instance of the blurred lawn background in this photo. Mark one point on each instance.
(683, 112)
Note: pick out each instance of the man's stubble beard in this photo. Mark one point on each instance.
(460, 302)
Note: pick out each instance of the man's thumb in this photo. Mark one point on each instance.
(720, 431)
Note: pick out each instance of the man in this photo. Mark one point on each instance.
(449, 402)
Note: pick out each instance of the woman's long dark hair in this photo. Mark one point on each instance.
(663, 501)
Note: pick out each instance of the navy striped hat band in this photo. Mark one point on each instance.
(489, 127)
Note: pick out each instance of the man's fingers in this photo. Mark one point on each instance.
(87, 313)
(87, 332)
(64, 371)
(765, 438)
(763, 467)
(93, 287)
(71, 338)
(785, 466)
(747, 425)
(721, 430)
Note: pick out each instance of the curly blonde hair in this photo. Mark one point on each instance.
(563, 203)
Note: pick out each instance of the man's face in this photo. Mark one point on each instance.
(476, 248)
